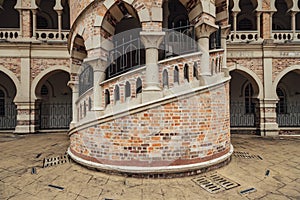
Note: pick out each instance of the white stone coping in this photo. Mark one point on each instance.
(145, 170)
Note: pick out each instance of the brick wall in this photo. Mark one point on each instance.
(185, 130)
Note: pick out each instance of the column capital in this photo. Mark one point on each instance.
(58, 6)
(73, 85)
(225, 31)
(152, 40)
(204, 28)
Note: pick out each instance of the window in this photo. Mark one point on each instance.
(86, 79)
(195, 70)
(2, 103)
(282, 103)
(44, 90)
(248, 93)
(90, 104)
(84, 109)
(165, 79)
(107, 97)
(127, 90)
(186, 72)
(117, 93)
(176, 75)
(139, 86)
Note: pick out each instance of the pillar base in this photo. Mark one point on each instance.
(25, 129)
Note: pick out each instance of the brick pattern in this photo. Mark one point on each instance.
(187, 130)
(279, 64)
(12, 64)
(39, 65)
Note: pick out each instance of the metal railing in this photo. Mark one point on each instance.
(8, 116)
(55, 115)
(124, 57)
(179, 41)
(239, 117)
(291, 118)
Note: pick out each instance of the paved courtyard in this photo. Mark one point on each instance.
(273, 169)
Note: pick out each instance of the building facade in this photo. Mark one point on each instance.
(146, 86)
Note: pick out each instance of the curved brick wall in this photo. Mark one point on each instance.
(180, 131)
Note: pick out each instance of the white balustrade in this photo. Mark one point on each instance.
(243, 36)
(50, 34)
(9, 34)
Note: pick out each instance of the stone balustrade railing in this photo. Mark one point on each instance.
(287, 35)
(51, 34)
(9, 34)
(216, 60)
(243, 36)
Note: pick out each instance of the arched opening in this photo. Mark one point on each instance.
(128, 52)
(243, 91)
(281, 19)
(288, 106)
(246, 19)
(55, 99)
(180, 34)
(117, 94)
(46, 15)
(195, 70)
(139, 87)
(8, 111)
(9, 17)
(165, 79)
(186, 73)
(176, 75)
(65, 15)
(215, 39)
(127, 90)
(107, 97)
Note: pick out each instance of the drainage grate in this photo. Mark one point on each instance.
(48, 162)
(246, 155)
(215, 183)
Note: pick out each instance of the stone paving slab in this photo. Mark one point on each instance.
(20, 153)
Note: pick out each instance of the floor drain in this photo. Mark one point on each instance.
(215, 183)
(48, 162)
(246, 155)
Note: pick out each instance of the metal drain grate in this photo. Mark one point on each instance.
(48, 162)
(215, 183)
(246, 155)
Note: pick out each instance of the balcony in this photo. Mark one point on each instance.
(9, 33)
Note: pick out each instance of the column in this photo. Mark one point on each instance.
(34, 23)
(59, 9)
(151, 41)
(234, 24)
(75, 95)
(225, 30)
(271, 25)
(293, 23)
(258, 24)
(203, 31)
(166, 14)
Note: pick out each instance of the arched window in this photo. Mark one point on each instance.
(127, 90)
(212, 66)
(282, 103)
(248, 93)
(9, 16)
(246, 19)
(186, 72)
(84, 109)
(117, 93)
(46, 15)
(165, 79)
(90, 104)
(139, 86)
(176, 75)
(2, 103)
(195, 71)
(107, 97)
(44, 90)
(281, 18)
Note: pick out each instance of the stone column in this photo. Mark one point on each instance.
(225, 30)
(34, 23)
(203, 31)
(271, 27)
(58, 8)
(293, 23)
(258, 23)
(75, 95)
(151, 41)
(234, 24)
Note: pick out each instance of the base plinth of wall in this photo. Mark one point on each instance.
(157, 172)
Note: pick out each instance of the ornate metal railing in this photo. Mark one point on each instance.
(124, 57)
(179, 41)
(239, 117)
(8, 116)
(9, 33)
(46, 34)
(55, 115)
(292, 116)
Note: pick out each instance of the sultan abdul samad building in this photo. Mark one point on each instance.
(150, 86)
